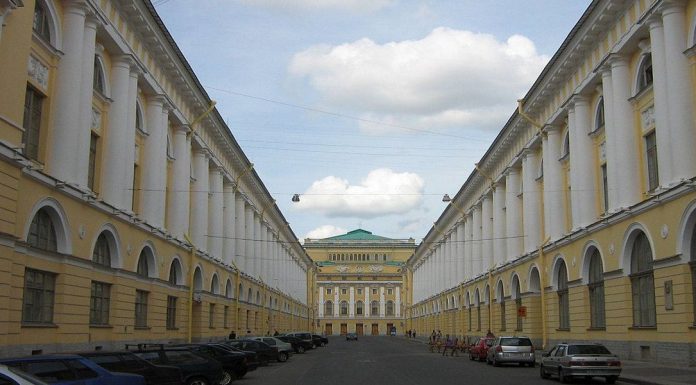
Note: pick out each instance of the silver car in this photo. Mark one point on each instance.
(511, 350)
(284, 349)
(569, 361)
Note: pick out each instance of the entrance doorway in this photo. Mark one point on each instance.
(328, 329)
(359, 329)
(375, 329)
(389, 328)
(344, 329)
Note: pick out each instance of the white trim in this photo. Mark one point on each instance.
(53, 24)
(531, 269)
(198, 273)
(585, 262)
(515, 290)
(630, 236)
(60, 223)
(229, 289)
(687, 223)
(180, 276)
(215, 289)
(114, 244)
(152, 265)
(556, 265)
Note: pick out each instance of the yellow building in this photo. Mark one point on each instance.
(128, 212)
(361, 284)
(579, 223)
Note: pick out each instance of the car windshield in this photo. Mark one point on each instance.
(587, 349)
(515, 342)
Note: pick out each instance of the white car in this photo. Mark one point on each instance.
(17, 377)
(284, 349)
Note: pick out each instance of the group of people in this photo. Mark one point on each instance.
(453, 344)
(411, 333)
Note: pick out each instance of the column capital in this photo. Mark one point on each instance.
(579, 99)
(202, 152)
(616, 60)
(123, 61)
(552, 129)
(672, 6)
(78, 7)
(182, 129)
(156, 100)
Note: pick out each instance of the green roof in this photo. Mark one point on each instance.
(357, 235)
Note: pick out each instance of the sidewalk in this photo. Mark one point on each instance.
(639, 372)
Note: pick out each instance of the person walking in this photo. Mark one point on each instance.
(233, 335)
(448, 345)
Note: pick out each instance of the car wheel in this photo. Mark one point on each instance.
(495, 362)
(471, 356)
(542, 372)
(282, 357)
(197, 381)
(232, 375)
(562, 377)
(300, 349)
(488, 361)
(611, 379)
(322, 344)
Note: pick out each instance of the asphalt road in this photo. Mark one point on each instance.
(386, 361)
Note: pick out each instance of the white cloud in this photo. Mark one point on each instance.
(351, 5)
(325, 231)
(449, 78)
(381, 192)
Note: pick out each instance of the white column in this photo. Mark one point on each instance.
(199, 199)
(257, 245)
(397, 301)
(476, 251)
(118, 151)
(461, 251)
(611, 139)
(367, 307)
(129, 135)
(382, 303)
(468, 246)
(268, 256)
(661, 102)
(154, 163)
(554, 214)
(87, 94)
(487, 232)
(321, 302)
(499, 224)
(442, 266)
(215, 211)
(582, 165)
(65, 144)
(513, 213)
(626, 146)
(351, 302)
(228, 224)
(178, 210)
(680, 96)
(249, 240)
(452, 256)
(240, 231)
(531, 201)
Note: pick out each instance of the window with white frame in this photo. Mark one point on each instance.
(642, 282)
(39, 296)
(100, 302)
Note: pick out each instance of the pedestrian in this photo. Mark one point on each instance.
(276, 333)
(447, 345)
(455, 347)
(233, 335)
(414, 334)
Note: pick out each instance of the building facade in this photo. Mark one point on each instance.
(361, 284)
(128, 212)
(579, 222)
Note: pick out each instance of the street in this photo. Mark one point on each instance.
(388, 360)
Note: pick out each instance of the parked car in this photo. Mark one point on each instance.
(252, 358)
(70, 369)
(265, 353)
(351, 337)
(298, 345)
(323, 341)
(196, 369)
(479, 350)
(569, 361)
(233, 363)
(127, 362)
(284, 348)
(14, 376)
(511, 349)
(304, 336)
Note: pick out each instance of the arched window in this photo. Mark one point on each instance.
(143, 267)
(642, 283)
(518, 302)
(645, 74)
(175, 272)
(359, 308)
(390, 308)
(98, 79)
(42, 232)
(258, 298)
(563, 300)
(374, 308)
(102, 253)
(328, 308)
(501, 300)
(139, 121)
(215, 285)
(249, 294)
(596, 290)
(229, 289)
(41, 24)
(344, 308)
(693, 268)
(599, 116)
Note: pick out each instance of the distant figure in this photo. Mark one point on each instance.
(248, 332)
(276, 333)
(414, 334)
(447, 345)
(490, 334)
(233, 335)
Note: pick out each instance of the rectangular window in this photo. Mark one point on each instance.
(374, 291)
(92, 160)
(33, 105)
(518, 305)
(651, 155)
(328, 291)
(211, 316)
(99, 303)
(605, 188)
(343, 291)
(171, 312)
(39, 293)
(390, 291)
(359, 291)
(141, 308)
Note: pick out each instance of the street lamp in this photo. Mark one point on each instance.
(296, 198)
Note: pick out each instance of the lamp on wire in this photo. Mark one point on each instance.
(446, 198)
(296, 198)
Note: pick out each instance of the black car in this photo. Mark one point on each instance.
(323, 341)
(298, 345)
(265, 353)
(234, 363)
(127, 362)
(251, 357)
(197, 369)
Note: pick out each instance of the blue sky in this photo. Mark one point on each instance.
(370, 109)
